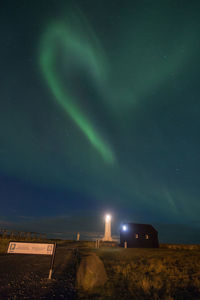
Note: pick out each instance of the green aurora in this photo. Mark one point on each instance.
(104, 103)
(88, 56)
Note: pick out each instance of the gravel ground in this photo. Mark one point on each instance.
(25, 276)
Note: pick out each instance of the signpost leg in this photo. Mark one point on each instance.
(52, 261)
(50, 273)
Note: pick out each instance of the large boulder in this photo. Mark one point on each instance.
(91, 273)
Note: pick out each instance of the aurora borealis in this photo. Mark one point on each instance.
(71, 46)
(99, 112)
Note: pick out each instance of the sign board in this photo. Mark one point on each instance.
(30, 248)
(34, 248)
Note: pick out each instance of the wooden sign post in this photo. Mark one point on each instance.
(34, 248)
(52, 261)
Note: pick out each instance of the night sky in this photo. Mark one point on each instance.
(100, 112)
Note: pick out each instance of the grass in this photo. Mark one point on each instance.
(151, 273)
(180, 246)
(169, 273)
(3, 245)
(60, 243)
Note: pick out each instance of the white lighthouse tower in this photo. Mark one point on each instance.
(107, 236)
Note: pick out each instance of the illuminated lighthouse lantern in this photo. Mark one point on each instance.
(107, 236)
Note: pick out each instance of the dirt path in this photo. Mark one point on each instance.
(25, 276)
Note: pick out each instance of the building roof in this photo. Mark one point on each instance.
(141, 227)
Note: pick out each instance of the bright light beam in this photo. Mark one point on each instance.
(124, 227)
(108, 218)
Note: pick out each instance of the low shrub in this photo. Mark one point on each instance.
(153, 273)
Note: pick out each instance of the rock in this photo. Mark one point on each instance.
(91, 273)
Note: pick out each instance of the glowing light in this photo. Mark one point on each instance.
(124, 227)
(108, 218)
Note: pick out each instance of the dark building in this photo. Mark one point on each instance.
(139, 236)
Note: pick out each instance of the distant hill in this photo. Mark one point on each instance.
(178, 234)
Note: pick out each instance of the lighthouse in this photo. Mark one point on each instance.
(107, 236)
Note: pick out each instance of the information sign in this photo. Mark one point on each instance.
(30, 248)
(34, 248)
